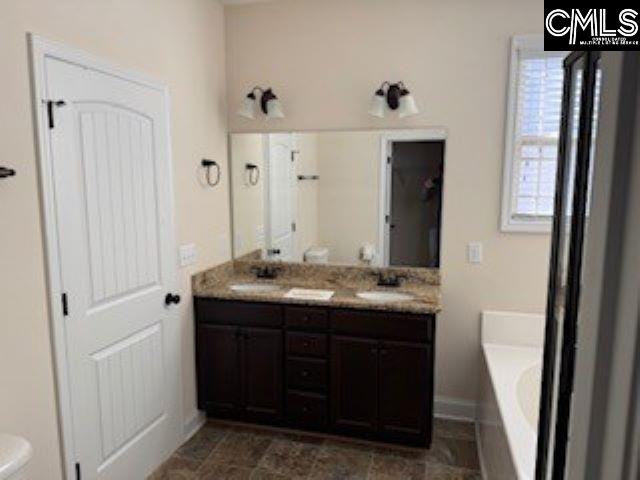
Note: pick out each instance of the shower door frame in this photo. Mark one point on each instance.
(555, 401)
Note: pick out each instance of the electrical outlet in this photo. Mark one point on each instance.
(188, 254)
(474, 252)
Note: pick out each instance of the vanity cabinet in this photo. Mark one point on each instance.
(405, 384)
(354, 385)
(345, 371)
(239, 367)
(380, 388)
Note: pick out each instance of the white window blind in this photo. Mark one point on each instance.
(532, 143)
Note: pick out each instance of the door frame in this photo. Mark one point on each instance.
(39, 50)
(387, 139)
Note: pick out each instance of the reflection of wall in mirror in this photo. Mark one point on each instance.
(248, 200)
(307, 192)
(349, 164)
(338, 210)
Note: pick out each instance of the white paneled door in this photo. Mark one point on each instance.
(280, 241)
(109, 154)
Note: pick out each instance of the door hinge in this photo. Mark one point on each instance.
(50, 115)
(293, 155)
(293, 226)
(389, 159)
(387, 218)
(78, 472)
(65, 305)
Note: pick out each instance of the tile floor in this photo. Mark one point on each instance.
(223, 450)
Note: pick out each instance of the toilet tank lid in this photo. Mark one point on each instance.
(15, 453)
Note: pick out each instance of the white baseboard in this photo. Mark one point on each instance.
(193, 424)
(455, 408)
(444, 407)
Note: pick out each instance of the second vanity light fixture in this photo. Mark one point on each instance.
(269, 104)
(396, 97)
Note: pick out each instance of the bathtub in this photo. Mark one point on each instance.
(509, 394)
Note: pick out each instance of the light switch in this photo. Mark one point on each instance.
(188, 254)
(474, 252)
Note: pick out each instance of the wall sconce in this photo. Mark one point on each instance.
(397, 97)
(269, 104)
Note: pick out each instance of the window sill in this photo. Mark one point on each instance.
(522, 226)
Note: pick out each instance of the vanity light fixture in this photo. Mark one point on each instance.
(269, 104)
(396, 97)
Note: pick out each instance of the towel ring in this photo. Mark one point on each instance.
(253, 180)
(208, 164)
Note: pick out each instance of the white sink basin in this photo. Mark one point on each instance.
(385, 296)
(254, 287)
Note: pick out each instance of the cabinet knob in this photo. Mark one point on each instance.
(305, 373)
(305, 409)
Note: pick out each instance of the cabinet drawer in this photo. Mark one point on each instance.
(306, 373)
(307, 344)
(307, 409)
(238, 313)
(306, 318)
(393, 326)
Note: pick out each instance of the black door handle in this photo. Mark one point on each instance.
(171, 298)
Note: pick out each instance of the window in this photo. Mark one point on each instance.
(531, 146)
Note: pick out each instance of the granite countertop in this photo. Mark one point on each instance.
(345, 282)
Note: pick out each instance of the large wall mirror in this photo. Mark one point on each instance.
(348, 197)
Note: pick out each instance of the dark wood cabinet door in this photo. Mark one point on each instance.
(405, 405)
(219, 371)
(262, 379)
(354, 384)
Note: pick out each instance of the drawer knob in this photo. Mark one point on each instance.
(305, 373)
(305, 409)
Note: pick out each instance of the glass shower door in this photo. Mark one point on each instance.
(572, 193)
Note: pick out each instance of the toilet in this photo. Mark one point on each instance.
(15, 454)
(316, 255)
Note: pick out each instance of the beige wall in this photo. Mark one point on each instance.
(349, 168)
(325, 58)
(179, 43)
